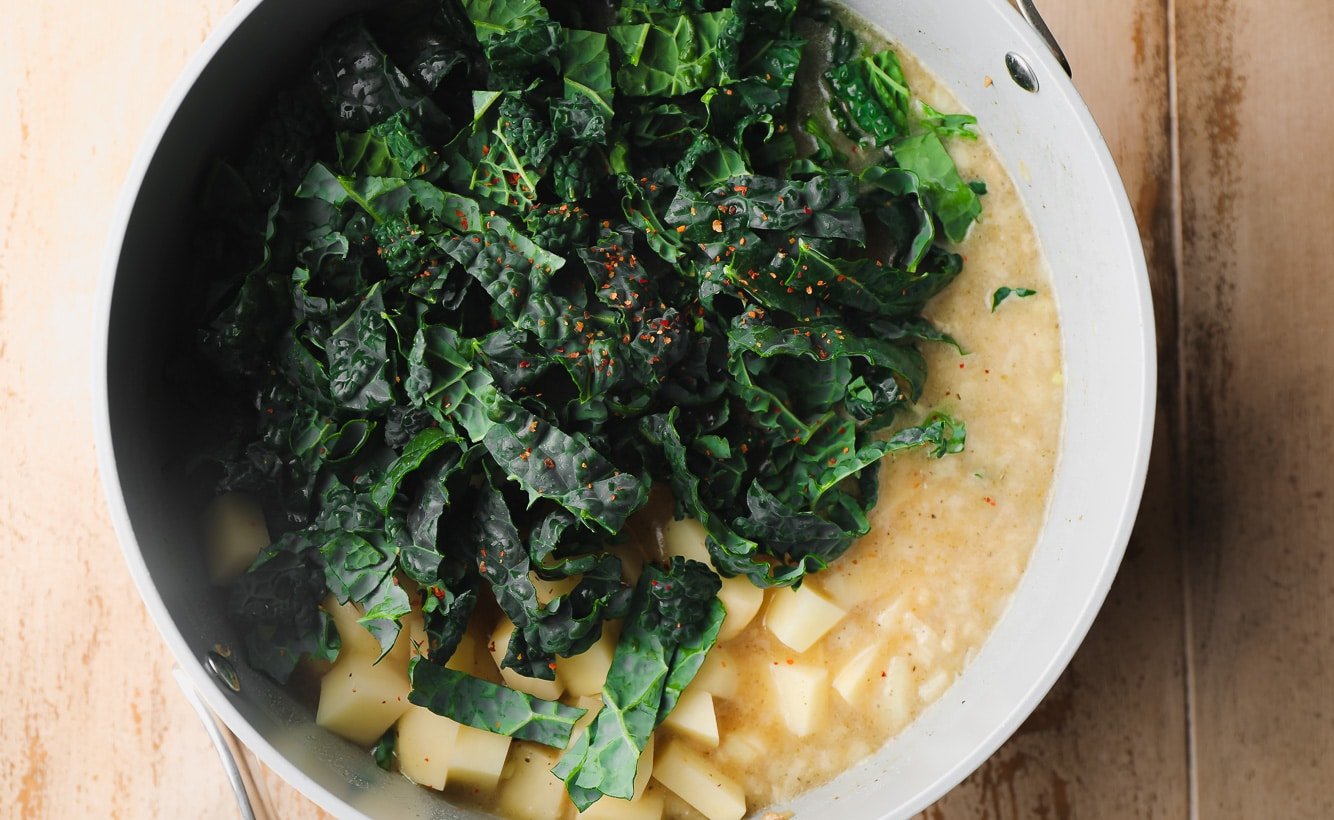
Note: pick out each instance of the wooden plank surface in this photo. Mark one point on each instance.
(1257, 300)
(1219, 623)
(1110, 739)
(93, 724)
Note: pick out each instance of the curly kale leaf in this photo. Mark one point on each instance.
(672, 613)
(676, 55)
(491, 707)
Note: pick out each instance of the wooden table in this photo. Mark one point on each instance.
(1205, 687)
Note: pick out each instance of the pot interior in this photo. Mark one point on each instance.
(1050, 147)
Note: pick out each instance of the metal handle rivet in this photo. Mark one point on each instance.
(223, 671)
(1021, 72)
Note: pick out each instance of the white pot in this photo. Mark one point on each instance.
(1049, 144)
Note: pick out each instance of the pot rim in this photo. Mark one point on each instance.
(1055, 80)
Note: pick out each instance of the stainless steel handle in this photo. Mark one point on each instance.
(230, 764)
(1039, 25)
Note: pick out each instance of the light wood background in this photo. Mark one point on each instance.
(1205, 688)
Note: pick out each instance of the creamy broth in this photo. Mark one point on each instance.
(950, 537)
(949, 542)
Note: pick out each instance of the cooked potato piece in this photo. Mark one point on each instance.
(357, 640)
(900, 693)
(694, 718)
(591, 705)
(235, 532)
(742, 747)
(414, 634)
(698, 782)
(550, 590)
(686, 538)
(743, 600)
(478, 758)
(529, 790)
(499, 644)
(359, 698)
(464, 658)
(800, 618)
(803, 694)
(425, 743)
(851, 681)
(648, 806)
(718, 676)
(585, 673)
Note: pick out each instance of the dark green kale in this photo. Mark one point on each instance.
(1002, 294)
(490, 269)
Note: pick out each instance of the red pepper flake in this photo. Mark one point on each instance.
(989, 500)
(548, 463)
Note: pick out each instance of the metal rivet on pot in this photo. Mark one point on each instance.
(1021, 72)
(222, 669)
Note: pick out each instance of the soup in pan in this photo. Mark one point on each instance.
(627, 411)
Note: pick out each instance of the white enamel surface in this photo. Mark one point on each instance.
(1049, 144)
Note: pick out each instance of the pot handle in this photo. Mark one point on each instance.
(1030, 13)
(227, 752)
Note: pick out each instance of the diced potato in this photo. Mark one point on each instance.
(800, 618)
(530, 791)
(357, 640)
(694, 718)
(591, 704)
(644, 771)
(698, 782)
(645, 807)
(499, 645)
(550, 590)
(632, 562)
(686, 538)
(719, 675)
(359, 698)
(585, 673)
(464, 658)
(424, 746)
(235, 532)
(803, 695)
(742, 747)
(743, 600)
(414, 635)
(900, 693)
(934, 686)
(478, 758)
(851, 681)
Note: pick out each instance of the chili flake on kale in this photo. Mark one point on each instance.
(490, 269)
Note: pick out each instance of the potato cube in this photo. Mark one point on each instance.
(741, 747)
(694, 718)
(719, 675)
(698, 782)
(425, 743)
(359, 698)
(478, 758)
(851, 681)
(900, 692)
(357, 640)
(499, 645)
(530, 791)
(591, 704)
(464, 658)
(743, 600)
(803, 694)
(234, 533)
(686, 539)
(548, 591)
(585, 673)
(648, 806)
(800, 618)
